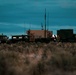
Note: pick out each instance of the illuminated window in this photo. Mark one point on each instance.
(14, 37)
(20, 37)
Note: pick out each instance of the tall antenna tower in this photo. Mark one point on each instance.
(42, 27)
(24, 27)
(48, 21)
(45, 23)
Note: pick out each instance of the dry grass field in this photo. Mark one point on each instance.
(54, 58)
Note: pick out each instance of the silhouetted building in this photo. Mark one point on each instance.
(65, 34)
(35, 34)
(3, 38)
(17, 38)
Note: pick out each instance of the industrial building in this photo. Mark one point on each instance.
(66, 35)
(17, 38)
(38, 34)
(3, 38)
(42, 34)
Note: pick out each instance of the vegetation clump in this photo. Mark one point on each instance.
(54, 58)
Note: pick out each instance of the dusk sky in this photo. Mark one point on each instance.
(17, 16)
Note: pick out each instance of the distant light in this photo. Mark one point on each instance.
(54, 35)
(9, 37)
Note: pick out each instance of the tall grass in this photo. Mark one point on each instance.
(54, 58)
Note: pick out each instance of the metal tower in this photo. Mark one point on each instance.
(45, 24)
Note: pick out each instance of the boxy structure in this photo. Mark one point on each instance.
(38, 34)
(3, 38)
(65, 35)
(42, 35)
(17, 38)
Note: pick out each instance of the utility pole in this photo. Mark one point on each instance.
(42, 27)
(45, 23)
(24, 28)
(48, 21)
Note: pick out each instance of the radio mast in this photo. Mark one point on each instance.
(45, 23)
